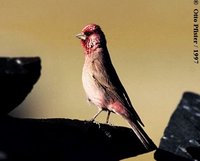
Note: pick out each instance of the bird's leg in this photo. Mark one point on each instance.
(99, 111)
(108, 116)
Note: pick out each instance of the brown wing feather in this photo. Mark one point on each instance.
(110, 81)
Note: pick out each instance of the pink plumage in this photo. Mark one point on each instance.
(102, 84)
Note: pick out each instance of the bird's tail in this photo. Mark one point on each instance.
(142, 136)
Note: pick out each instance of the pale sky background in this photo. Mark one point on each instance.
(150, 42)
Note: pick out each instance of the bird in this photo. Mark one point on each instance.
(101, 83)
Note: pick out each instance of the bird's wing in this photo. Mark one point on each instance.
(106, 76)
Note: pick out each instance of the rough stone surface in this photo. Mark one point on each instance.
(65, 139)
(182, 135)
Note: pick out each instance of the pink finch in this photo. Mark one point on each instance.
(101, 82)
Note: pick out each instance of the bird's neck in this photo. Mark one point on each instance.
(100, 53)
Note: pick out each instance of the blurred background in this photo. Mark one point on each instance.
(150, 42)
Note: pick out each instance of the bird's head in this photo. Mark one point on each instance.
(92, 37)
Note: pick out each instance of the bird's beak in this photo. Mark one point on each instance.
(81, 36)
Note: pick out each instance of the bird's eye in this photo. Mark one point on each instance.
(87, 33)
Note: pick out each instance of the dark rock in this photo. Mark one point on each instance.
(65, 139)
(182, 135)
(162, 155)
(17, 77)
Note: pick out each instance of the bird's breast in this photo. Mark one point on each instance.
(92, 89)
